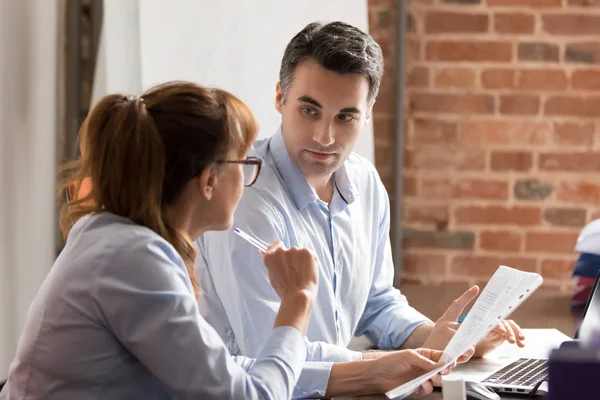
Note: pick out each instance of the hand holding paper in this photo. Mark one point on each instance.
(446, 327)
(505, 291)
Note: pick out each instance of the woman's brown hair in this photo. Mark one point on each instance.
(138, 154)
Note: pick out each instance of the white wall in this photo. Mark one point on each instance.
(28, 123)
(236, 45)
(118, 61)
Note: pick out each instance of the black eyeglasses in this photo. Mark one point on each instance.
(250, 167)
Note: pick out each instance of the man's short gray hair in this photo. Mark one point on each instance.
(338, 47)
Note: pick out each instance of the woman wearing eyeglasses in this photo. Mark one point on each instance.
(117, 316)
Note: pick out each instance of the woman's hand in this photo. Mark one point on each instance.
(294, 275)
(291, 271)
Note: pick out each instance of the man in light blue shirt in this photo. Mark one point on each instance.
(314, 192)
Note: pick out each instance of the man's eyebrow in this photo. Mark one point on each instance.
(351, 110)
(308, 99)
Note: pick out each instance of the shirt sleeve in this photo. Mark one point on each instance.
(145, 298)
(388, 320)
(233, 271)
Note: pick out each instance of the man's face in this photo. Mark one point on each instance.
(323, 113)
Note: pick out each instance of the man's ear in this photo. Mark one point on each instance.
(207, 181)
(278, 97)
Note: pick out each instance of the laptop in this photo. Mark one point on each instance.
(530, 375)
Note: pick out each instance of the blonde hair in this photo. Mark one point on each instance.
(138, 154)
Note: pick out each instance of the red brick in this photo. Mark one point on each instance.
(526, 3)
(418, 77)
(447, 50)
(573, 134)
(517, 23)
(511, 160)
(389, 47)
(531, 189)
(542, 79)
(382, 21)
(438, 189)
(500, 241)
(484, 132)
(572, 161)
(573, 106)
(484, 266)
(557, 268)
(384, 130)
(427, 214)
(424, 264)
(409, 159)
(452, 103)
(434, 131)
(579, 192)
(481, 189)
(381, 3)
(538, 52)
(565, 216)
(384, 155)
(453, 22)
(586, 79)
(584, 3)
(413, 52)
(409, 186)
(519, 104)
(450, 158)
(550, 242)
(594, 215)
(387, 178)
(386, 99)
(571, 24)
(455, 78)
(499, 215)
(587, 52)
(498, 79)
(529, 132)
(491, 132)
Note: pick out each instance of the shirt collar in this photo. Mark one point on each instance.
(301, 192)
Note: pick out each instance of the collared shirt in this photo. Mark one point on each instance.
(116, 318)
(350, 237)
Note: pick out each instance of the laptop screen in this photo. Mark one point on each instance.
(591, 315)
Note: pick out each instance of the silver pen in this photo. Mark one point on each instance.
(259, 244)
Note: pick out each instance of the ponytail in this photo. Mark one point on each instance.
(124, 158)
(138, 155)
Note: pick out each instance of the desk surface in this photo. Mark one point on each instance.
(539, 342)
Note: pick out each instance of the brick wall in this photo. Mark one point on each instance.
(502, 154)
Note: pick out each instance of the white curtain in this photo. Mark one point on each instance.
(236, 45)
(28, 125)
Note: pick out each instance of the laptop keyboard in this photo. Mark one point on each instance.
(523, 372)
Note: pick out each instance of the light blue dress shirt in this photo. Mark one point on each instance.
(116, 318)
(350, 237)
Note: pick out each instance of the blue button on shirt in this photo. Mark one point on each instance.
(350, 237)
(116, 318)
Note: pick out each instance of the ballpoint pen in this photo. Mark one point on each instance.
(259, 244)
